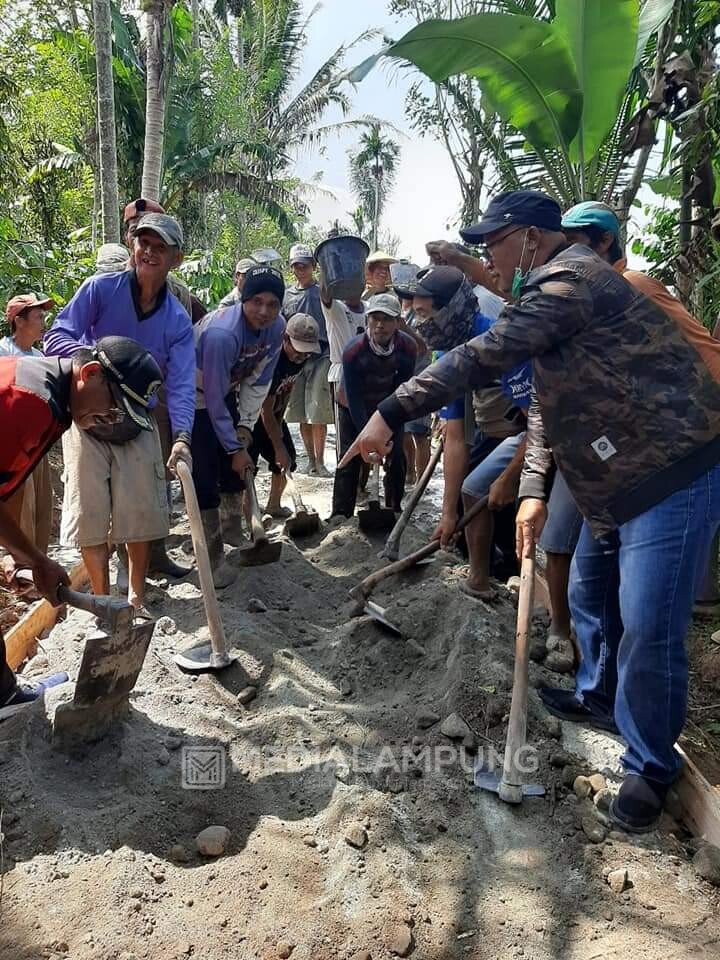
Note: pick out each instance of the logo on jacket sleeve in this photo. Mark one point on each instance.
(603, 448)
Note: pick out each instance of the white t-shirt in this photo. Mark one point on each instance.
(342, 324)
(8, 348)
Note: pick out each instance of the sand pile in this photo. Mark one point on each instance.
(347, 826)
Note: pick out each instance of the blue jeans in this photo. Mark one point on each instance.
(631, 597)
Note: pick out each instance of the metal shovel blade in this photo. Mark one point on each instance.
(376, 519)
(487, 780)
(110, 666)
(302, 524)
(201, 659)
(377, 612)
(261, 552)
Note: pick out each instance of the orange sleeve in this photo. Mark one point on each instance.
(693, 331)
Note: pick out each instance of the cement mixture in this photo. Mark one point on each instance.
(347, 825)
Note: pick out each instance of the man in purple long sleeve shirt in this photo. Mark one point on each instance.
(237, 352)
(115, 484)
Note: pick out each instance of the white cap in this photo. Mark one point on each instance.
(301, 253)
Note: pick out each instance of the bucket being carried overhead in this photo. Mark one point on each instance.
(342, 261)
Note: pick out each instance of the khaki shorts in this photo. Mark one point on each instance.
(113, 491)
(310, 398)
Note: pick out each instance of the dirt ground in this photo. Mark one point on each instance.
(354, 827)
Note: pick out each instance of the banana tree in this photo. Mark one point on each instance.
(561, 83)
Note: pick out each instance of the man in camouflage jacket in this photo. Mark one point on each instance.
(633, 419)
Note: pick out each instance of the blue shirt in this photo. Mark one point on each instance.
(516, 384)
(106, 305)
(231, 356)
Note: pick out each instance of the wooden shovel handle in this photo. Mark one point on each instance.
(363, 590)
(517, 725)
(212, 609)
(393, 541)
(258, 531)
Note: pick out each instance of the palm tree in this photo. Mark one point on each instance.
(373, 168)
(106, 122)
(157, 74)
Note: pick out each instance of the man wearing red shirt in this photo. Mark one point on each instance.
(39, 399)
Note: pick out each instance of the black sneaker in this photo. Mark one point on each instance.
(26, 693)
(565, 705)
(639, 803)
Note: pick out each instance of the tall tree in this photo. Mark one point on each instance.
(107, 153)
(373, 168)
(157, 74)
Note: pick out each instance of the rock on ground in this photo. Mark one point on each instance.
(212, 841)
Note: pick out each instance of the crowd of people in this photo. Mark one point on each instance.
(578, 399)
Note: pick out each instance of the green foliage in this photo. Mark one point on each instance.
(373, 169)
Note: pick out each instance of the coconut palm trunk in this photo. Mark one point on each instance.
(107, 153)
(156, 18)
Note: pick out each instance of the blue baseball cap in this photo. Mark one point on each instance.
(528, 208)
(592, 213)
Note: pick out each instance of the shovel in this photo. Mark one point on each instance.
(305, 522)
(362, 591)
(215, 655)
(262, 550)
(111, 663)
(510, 787)
(391, 550)
(376, 518)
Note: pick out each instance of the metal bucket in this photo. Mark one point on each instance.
(342, 261)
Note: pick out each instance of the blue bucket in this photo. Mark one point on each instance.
(342, 262)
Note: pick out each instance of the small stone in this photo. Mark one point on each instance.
(136, 893)
(173, 742)
(256, 605)
(426, 719)
(603, 799)
(618, 880)
(560, 759)
(553, 727)
(166, 625)
(284, 949)
(163, 757)
(247, 695)
(594, 831)
(263, 884)
(454, 727)
(178, 854)
(363, 955)
(400, 940)
(597, 782)
(342, 773)
(417, 744)
(310, 841)
(537, 651)
(212, 841)
(356, 836)
(707, 863)
(569, 775)
(560, 662)
(581, 787)
(346, 688)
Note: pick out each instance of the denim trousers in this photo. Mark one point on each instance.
(631, 598)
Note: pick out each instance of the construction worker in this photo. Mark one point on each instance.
(632, 415)
(39, 399)
(237, 350)
(115, 477)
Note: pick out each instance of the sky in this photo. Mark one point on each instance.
(426, 196)
(426, 199)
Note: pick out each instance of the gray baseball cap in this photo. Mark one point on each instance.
(247, 263)
(164, 226)
(386, 303)
(301, 253)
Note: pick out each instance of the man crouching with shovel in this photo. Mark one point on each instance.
(632, 416)
(237, 350)
(39, 399)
